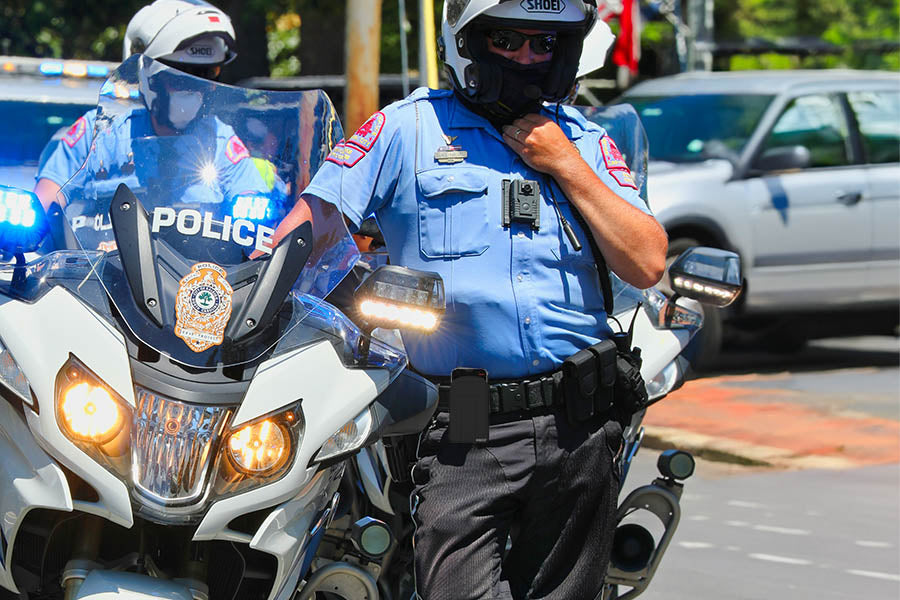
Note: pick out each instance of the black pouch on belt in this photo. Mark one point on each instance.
(580, 378)
(605, 352)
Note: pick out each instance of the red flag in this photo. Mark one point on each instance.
(627, 51)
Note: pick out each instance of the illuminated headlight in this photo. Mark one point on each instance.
(401, 316)
(722, 295)
(89, 413)
(348, 438)
(259, 448)
(87, 409)
(396, 297)
(264, 447)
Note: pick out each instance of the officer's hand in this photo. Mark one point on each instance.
(541, 143)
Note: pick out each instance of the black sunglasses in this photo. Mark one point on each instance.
(509, 40)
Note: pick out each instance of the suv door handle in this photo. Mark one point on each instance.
(848, 198)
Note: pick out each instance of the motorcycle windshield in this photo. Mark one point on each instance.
(188, 207)
(624, 126)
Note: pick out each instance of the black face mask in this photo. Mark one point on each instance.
(517, 88)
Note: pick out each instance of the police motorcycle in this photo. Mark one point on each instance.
(378, 478)
(178, 398)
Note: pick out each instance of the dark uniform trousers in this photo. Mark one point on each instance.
(551, 486)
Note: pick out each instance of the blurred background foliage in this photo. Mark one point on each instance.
(305, 37)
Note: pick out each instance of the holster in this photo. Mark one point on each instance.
(589, 377)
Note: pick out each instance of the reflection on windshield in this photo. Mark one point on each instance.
(699, 127)
(26, 127)
(178, 203)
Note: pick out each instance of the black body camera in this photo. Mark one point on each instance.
(521, 199)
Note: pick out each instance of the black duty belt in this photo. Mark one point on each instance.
(514, 396)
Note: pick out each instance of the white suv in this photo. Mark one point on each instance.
(796, 171)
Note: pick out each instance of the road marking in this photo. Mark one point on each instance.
(743, 504)
(873, 544)
(737, 523)
(781, 559)
(733, 548)
(698, 518)
(874, 574)
(696, 545)
(783, 530)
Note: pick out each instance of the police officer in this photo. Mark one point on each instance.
(481, 184)
(189, 35)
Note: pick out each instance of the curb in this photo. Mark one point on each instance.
(719, 449)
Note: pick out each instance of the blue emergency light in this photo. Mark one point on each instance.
(97, 71)
(23, 223)
(51, 68)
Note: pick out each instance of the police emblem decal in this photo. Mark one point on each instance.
(203, 306)
(612, 158)
(75, 132)
(368, 133)
(235, 150)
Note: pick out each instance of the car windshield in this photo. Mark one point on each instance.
(698, 127)
(177, 205)
(26, 127)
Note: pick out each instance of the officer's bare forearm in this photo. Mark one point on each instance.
(47, 191)
(633, 243)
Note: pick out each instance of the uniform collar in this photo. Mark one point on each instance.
(461, 117)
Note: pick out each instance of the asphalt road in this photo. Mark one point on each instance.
(755, 534)
(788, 531)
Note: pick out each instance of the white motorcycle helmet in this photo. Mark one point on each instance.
(463, 43)
(190, 35)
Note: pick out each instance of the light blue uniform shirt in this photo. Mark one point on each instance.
(519, 301)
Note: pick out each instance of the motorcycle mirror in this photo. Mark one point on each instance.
(397, 297)
(708, 275)
(23, 222)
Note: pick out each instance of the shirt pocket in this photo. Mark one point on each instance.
(453, 211)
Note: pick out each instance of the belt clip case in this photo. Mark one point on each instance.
(470, 406)
(580, 380)
(606, 353)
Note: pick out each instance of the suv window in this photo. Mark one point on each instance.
(816, 122)
(27, 126)
(878, 115)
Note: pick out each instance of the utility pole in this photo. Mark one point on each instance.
(363, 61)
(700, 47)
(428, 73)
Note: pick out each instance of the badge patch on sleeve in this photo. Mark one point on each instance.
(345, 155)
(203, 306)
(235, 150)
(75, 132)
(612, 158)
(366, 135)
(624, 178)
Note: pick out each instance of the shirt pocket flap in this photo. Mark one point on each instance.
(435, 182)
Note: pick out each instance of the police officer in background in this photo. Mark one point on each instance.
(481, 184)
(189, 35)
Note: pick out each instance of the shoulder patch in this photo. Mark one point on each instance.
(75, 132)
(235, 150)
(368, 133)
(612, 158)
(345, 155)
(624, 178)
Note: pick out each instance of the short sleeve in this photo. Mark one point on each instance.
(70, 152)
(360, 174)
(612, 169)
(239, 174)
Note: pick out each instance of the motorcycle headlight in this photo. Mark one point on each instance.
(348, 438)
(92, 416)
(89, 413)
(259, 448)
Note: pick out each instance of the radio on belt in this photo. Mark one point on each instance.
(521, 200)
